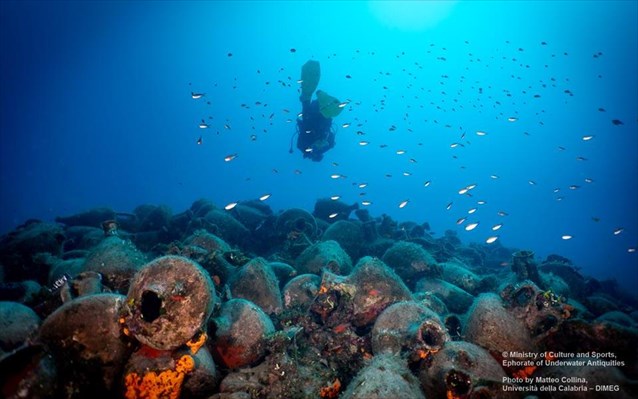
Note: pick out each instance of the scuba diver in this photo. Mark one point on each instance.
(315, 134)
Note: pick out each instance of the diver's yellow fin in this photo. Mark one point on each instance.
(328, 106)
(310, 74)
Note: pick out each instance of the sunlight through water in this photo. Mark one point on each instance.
(411, 15)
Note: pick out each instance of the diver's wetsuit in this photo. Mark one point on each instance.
(314, 131)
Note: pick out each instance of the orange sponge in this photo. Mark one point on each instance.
(166, 384)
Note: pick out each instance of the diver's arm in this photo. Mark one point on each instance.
(331, 137)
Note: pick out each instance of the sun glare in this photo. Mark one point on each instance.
(411, 15)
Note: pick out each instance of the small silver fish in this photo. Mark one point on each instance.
(403, 203)
(197, 96)
(230, 206)
(491, 239)
(230, 157)
(471, 226)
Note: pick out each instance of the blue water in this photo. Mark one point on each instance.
(96, 110)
